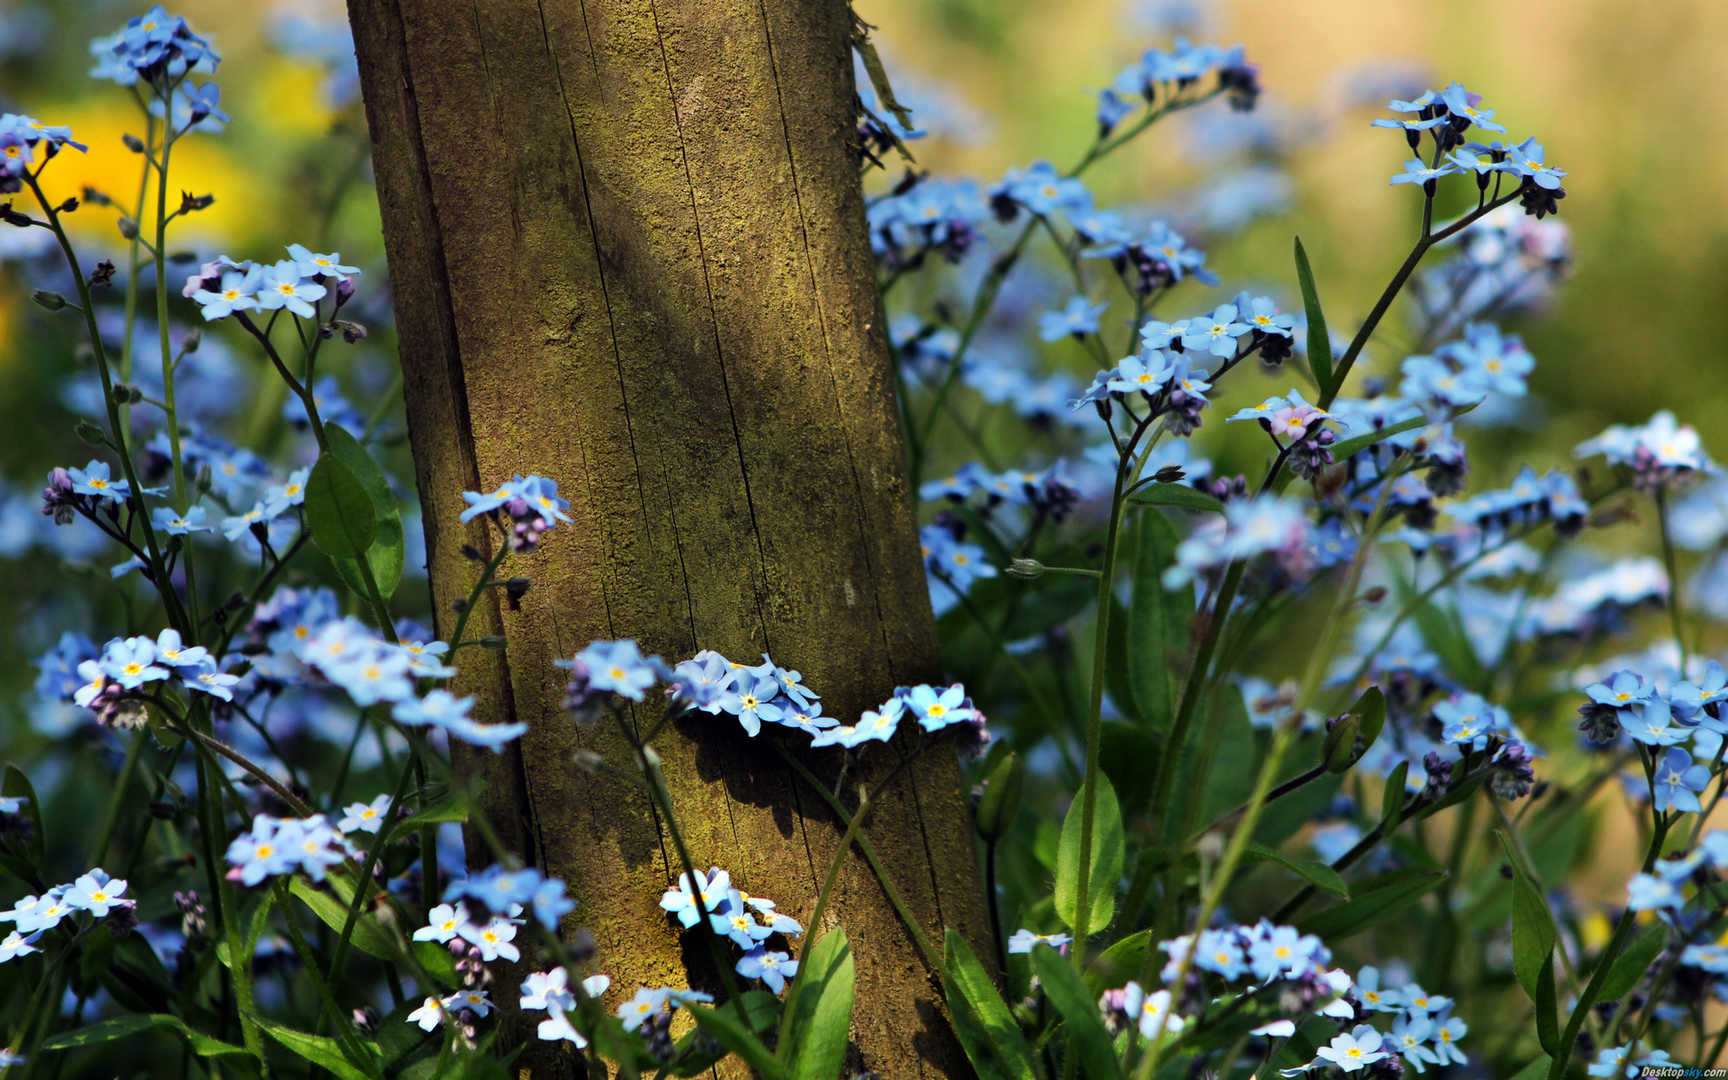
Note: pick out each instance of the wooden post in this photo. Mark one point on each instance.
(627, 250)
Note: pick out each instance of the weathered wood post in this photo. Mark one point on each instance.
(627, 249)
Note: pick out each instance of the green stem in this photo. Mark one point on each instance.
(1622, 931)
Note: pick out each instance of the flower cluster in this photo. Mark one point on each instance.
(1446, 116)
(749, 922)
(1661, 453)
(756, 694)
(1248, 528)
(926, 215)
(94, 892)
(155, 47)
(1165, 77)
(223, 287)
(531, 503)
(21, 137)
(116, 683)
(276, 847)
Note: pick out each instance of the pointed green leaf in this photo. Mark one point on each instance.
(320, 1050)
(1087, 1038)
(1631, 965)
(387, 552)
(1176, 495)
(817, 1031)
(1372, 903)
(1319, 341)
(130, 1024)
(1392, 798)
(1105, 862)
(451, 808)
(1547, 1023)
(1156, 622)
(338, 510)
(17, 785)
(993, 1041)
(1315, 873)
(723, 1023)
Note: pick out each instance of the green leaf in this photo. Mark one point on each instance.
(17, 785)
(986, 1028)
(724, 1025)
(1176, 495)
(1373, 903)
(1156, 622)
(1370, 709)
(1315, 873)
(452, 807)
(1344, 449)
(388, 550)
(1087, 1038)
(121, 1027)
(1392, 798)
(1631, 965)
(1105, 868)
(338, 510)
(369, 936)
(1121, 961)
(1535, 1070)
(1547, 1024)
(1319, 341)
(1533, 931)
(320, 1050)
(816, 1022)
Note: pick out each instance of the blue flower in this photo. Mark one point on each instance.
(261, 852)
(733, 920)
(1410, 1033)
(311, 264)
(97, 893)
(1146, 373)
(1354, 1050)
(770, 966)
(1446, 1037)
(217, 684)
(1415, 172)
(1647, 892)
(1622, 690)
(753, 701)
(1042, 191)
(1219, 952)
(1077, 319)
(178, 523)
(237, 291)
(1678, 782)
(618, 666)
(364, 817)
(1526, 160)
(541, 495)
(1377, 999)
(497, 887)
(1023, 941)
(170, 651)
(549, 903)
(1468, 720)
(284, 288)
(131, 662)
(1263, 315)
(936, 709)
(1653, 725)
(95, 479)
(1462, 103)
(681, 899)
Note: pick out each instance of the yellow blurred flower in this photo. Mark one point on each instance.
(201, 164)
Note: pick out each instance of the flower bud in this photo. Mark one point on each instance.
(1340, 749)
(128, 228)
(132, 142)
(51, 301)
(1026, 568)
